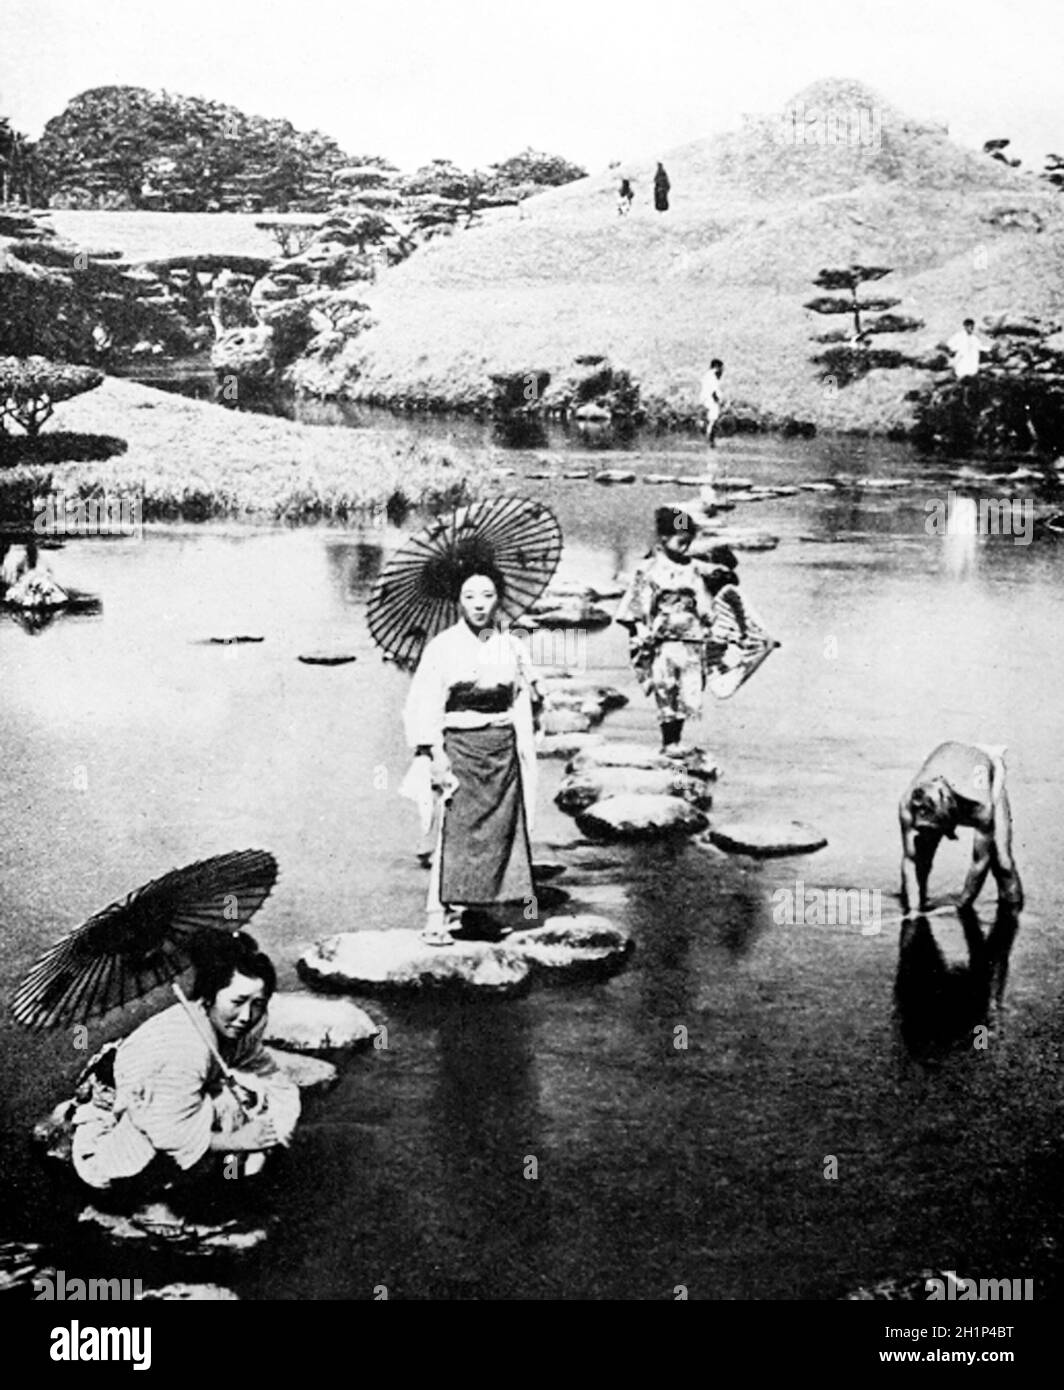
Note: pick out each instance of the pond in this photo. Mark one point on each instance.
(132, 747)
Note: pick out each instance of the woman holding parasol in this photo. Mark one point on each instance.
(159, 1098)
(442, 602)
(195, 1079)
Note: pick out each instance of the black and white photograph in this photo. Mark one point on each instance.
(531, 613)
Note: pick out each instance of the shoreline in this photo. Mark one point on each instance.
(189, 460)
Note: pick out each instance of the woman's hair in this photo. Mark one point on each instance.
(672, 521)
(218, 956)
(479, 571)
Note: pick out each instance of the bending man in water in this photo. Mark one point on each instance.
(960, 784)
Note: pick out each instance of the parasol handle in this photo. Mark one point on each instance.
(208, 1037)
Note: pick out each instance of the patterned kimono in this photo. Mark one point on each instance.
(471, 697)
(669, 612)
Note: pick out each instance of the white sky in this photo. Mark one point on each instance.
(594, 80)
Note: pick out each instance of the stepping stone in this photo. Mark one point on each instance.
(600, 894)
(592, 858)
(633, 817)
(326, 658)
(656, 479)
(234, 641)
(738, 540)
(567, 947)
(185, 1238)
(373, 962)
(543, 870)
(569, 693)
(583, 789)
(696, 762)
(816, 487)
(187, 1293)
(571, 616)
(733, 484)
(575, 474)
(885, 483)
(768, 838)
(584, 704)
(565, 744)
(565, 721)
(614, 475)
(539, 477)
(304, 1023)
(309, 1073)
(18, 1265)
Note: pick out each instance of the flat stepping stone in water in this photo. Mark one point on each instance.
(695, 761)
(309, 1073)
(575, 474)
(305, 1023)
(600, 894)
(375, 962)
(583, 789)
(326, 658)
(885, 483)
(738, 540)
(567, 947)
(539, 477)
(816, 487)
(569, 694)
(768, 838)
(733, 484)
(238, 639)
(657, 479)
(564, 744)
(634, 817)
(188, 1293)
(18, 1265)
(565, 721)
(614, 475)
(182, 1237)
(543, 870)
(693, 480)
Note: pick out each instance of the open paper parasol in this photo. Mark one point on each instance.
(413, 598)
(748, 644)
(144, 941)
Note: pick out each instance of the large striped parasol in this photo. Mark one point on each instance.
(414, 596)
(143, 941)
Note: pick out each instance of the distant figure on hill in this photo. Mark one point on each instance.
(624, 197)
(965, 347)
(661, 189)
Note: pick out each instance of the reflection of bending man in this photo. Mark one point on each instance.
(960, 784)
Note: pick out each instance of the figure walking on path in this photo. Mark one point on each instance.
(470, 719)
(965, 347)
(661, 189)
(624, 198)
(669, 611)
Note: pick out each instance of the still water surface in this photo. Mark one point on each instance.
(129, 748)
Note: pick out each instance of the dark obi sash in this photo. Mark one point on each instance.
(484, 854)
(484, 699)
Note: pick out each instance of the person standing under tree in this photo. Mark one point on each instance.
(661, 189)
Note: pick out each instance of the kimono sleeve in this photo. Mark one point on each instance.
(636, 605)
(166, 1098)
(256, 1067)
(423, 713)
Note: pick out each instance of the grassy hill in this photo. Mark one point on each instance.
(726, 270)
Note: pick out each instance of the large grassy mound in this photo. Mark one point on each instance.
(726, 270)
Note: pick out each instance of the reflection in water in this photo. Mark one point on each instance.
(353, 566)
(34, 621)
(961, 538)
(520, 432)
(937, 1005)
(486, 1124)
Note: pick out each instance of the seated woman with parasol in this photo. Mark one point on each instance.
(190, 1083)
(469, 718)
(195, 1080)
